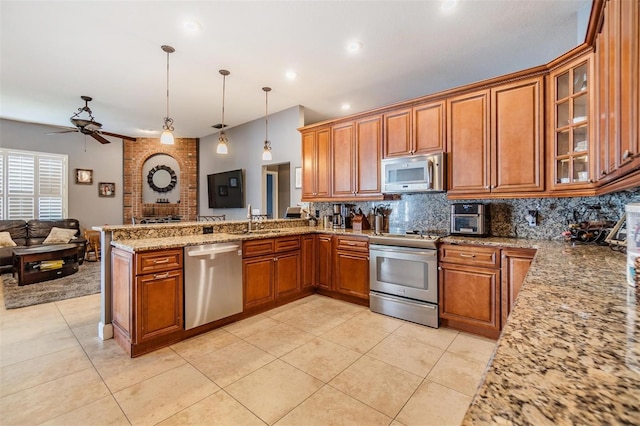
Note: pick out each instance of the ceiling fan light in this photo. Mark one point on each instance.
(222, 144)
(167, 138)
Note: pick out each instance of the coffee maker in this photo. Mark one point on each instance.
(338, 219)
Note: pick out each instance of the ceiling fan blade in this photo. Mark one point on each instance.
(115, 135)
(63, 131)
(99, 138)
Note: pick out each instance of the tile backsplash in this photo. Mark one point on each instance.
(429, 211)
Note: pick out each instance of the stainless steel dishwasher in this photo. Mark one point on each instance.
(212, 283)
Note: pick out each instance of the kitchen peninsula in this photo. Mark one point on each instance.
(569, 352)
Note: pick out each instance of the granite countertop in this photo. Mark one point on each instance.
(570, 351)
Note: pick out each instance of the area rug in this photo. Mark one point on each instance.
(84, 282)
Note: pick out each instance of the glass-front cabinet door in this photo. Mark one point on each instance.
(571, 145)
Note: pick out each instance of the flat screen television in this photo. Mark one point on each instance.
(226, 189)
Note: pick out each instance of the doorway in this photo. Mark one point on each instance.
(276, 191)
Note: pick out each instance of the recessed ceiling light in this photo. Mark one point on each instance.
(346, 107)
(291, 75)
(448, 5)
(354, 46)
(191, 26)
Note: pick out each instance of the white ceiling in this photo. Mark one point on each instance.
(54, 51)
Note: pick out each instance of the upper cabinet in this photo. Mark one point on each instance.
(570, 124)
(316, 164)
(495, 140)
(617, 66)
(355, 155)
(417, 130)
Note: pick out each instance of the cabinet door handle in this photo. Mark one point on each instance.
(157, 261)
(160, 276)
(467, 255)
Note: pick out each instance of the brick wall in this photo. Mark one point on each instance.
(184, 151)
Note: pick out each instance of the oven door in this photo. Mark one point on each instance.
(404, 271)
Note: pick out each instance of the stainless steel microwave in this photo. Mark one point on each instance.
(418, 173)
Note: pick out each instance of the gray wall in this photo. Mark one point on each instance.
(84, 153)
(245, 152)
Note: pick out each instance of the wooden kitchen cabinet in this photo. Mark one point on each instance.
(468, 143)
(414, 131)
(514, 268)
(496, 140)
(308, 250)
(356, 152)
(469, 289)
(147, 301)
(617, 66)
(351, 267)
(271, 270)
(570, 138)
(324, 256)
(316, 164)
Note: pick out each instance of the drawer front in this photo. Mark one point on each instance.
(257, 247)
(352, 244)
(287, 244)
(158, 261)
(488, 257)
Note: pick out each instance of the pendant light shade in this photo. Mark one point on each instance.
(266, 153)
(167, 128)
(222, 140)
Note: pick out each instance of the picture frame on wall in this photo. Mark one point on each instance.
(298, 177)
(84, 176)
(106, 189)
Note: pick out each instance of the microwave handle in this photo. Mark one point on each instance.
(430, 173)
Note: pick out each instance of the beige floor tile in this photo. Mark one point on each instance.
(218, 409)
(379, 385)
(309, 320)
(272, 391)
(409, 354)
(373, 320)
(201, 345)
(36, 347)
(30, 323)
(232, 362)
(164, 395)
(102, 412)
(355, 336)
(280, 339)
(81, 310)
(473, 347)
(329, 406)
(458, 373)
(120, 371)
(291, 305)
(337, 308)
(250, 326)
(438, 337)
(51, 399)
(321, 358)
(433, 404)
(26, 374)
(396, 423)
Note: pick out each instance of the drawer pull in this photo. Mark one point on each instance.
(160, 276)
(467, 255)
(157, 261)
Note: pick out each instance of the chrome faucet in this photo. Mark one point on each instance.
(249, 217)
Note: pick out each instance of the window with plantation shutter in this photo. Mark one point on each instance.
(32, 185)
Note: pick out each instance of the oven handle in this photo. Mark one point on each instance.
(403, 250)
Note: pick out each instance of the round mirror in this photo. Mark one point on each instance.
(162, 178)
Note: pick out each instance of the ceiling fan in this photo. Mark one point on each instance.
(90, 126)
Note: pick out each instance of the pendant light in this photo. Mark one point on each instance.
(167, 129)
(222, 140)
(266, 154)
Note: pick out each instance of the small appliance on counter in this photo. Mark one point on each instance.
(468, 219)
(342, 216)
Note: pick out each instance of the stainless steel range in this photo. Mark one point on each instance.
(404, 277)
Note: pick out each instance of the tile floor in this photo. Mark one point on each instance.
(316, 361)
